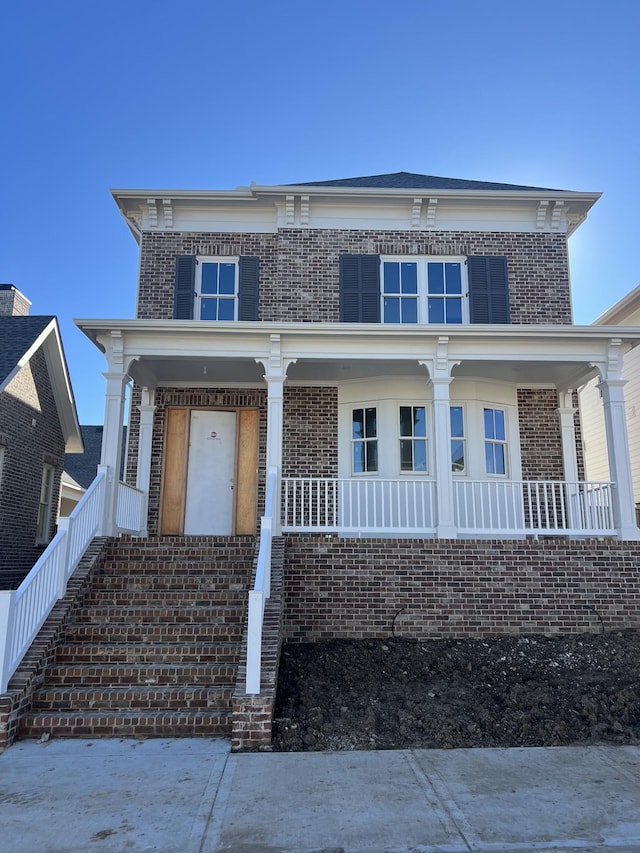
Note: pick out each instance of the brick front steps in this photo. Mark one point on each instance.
(153, 647)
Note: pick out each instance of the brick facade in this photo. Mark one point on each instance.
(310, 432)
(299, 267)
(357, 588)
(31, 435)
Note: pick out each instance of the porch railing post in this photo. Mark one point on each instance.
(7, 613)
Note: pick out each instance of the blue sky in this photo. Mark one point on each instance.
(152, 94)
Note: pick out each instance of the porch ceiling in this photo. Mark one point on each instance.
(206, 371)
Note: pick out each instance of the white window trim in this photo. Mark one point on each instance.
(422, 295)
(199, 296)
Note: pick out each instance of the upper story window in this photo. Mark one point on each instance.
(216, 289)
(397, 290)
(424, 291)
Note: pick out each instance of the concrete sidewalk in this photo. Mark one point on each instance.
(193, 796)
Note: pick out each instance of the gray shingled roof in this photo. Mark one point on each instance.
(82, 466)
(17, 334)
(408, 180)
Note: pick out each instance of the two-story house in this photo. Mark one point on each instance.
(398, 347)
(379, 376)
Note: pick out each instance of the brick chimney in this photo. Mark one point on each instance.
(12, 302)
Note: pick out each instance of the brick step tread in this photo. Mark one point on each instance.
(168, 598)
(221, 652)
(157, 632)
(132, 697)
(142, 674)
(177, 614)
(170, 582)
(224, 570)
(153, 723)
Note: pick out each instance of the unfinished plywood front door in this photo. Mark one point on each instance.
(210, 472)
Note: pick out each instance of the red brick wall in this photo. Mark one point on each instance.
(299, 267)
(310, 432)
(31, 434)
(355, 587)
(540, 438)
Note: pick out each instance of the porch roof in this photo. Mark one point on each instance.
(202, 353)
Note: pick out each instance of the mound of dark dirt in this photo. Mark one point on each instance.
(500, 692)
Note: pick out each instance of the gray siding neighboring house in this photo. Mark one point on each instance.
(38, 423)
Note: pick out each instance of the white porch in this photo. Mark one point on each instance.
(201, 354)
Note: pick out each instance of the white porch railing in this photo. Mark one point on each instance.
(131, 504)
(528, 507)
(24, 610)
(358, 505)
(481, 507)
(261, 589)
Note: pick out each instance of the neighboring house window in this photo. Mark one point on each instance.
(413, 439)
(458, 444)
(216, 291)
(364, 440)
(216, 288)
(45, 505)
(495, 441)
(424, 291)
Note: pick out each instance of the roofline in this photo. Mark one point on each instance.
(51, 342)
(620, 307)
(254, 190)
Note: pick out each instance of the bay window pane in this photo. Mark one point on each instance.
(406, 454)
(406, 422)
(370, 423)
(499, 424)
(358, 457)
(457, 456)
(457, 426)
(489, 431)
(419, 421)
(371, 449)
(357, 423)
(489, 460)
(499, 460)
(420, 456)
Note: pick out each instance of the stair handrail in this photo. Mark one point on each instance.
(261, 588)
(24, 610)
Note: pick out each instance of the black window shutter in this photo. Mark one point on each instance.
(488, 289)
(360, 288)
(183, 294)
(249, 286)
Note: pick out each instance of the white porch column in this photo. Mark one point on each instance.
(566, 417)
(446, 526)
(275, 375)
(615, 421)
(112, 445)
(147, 409)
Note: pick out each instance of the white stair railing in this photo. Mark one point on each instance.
(24, 610)
(261, 589)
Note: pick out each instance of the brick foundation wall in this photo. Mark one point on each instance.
(357, 587)
(31, 434)
(299, 267)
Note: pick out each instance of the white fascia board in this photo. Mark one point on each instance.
(207, 339)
